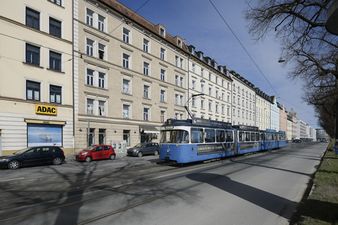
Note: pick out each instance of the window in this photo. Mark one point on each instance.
(181, 81)
(210, 90)
(145, 114)
(202, 104)
(210, 76)
(91, 136)
(32, 18)
(193, 86)
(193, 67)
(146, 91)
(126, 137)
(102, 108)
(229, 136)
(162, 96)
(209, 135)
(90, 77)
(177, 99)
(162, 54)
(220, 135)
(145, 45)
(55, 27)
(32, 90)
(181, 62)
(125, 61)
(162, 32)
(57, 2)
(216, 108)
(126, 111)
(193, 102)
(146, 68)
(202, 87)
(125, 35)
(102, 78)
(196, 135)
(177, 61)
(102, 137)
(162, 116)
(125, 86)
(210, 106)
(177, 80)
(101, 22)
(162, 75)
(89, 47)
(89, 17)
(101, 51)
(90, 106)
(55, 93)
(32, 54)
(54, 61)
(228, 111)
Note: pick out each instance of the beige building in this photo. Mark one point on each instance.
(36, 74)
(213, 83)
(282, 117)
(243, 101)
(263, 113)
(130, 75)
(289, 127)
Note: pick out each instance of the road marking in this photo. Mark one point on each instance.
(18, 178)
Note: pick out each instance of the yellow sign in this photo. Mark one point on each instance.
(46, 110)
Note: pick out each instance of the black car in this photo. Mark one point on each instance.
(33, 156)
(297, 141)
(144, 149)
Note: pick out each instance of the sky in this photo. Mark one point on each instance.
(197, 22)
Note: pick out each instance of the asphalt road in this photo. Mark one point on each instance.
(262, 188)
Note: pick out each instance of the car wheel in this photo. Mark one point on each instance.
(13, 165)
(112, 157)
(88, 159)
(156, 153)
(57, 161)
(140, 154)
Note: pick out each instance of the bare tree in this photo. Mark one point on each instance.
(300, 25)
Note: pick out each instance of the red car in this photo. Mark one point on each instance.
(96, 152)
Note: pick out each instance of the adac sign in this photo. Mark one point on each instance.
(46, 110)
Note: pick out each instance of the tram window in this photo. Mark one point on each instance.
(196, 135)
(220, 135)
(262, 136)
(241, 136)
(253, 136)
(247, 136)
(209, 135)
(257, 136)
(175, 136)
(230, 137)
(268, 136)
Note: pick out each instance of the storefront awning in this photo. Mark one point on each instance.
(53, 122)
(148, 129)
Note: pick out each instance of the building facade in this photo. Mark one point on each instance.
(289, 127)
(263, 113)
(130, 75)
(243, 101)
(282, 117)
(274, 110)
(36, 75)
(209, 88)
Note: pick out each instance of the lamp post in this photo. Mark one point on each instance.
(186, 106)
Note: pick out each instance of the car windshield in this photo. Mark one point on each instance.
(21, 151)
(139, 145)
(90, 148)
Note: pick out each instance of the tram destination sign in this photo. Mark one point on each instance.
(46, 110)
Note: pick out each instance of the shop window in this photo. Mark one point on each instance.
(126, 137)
(91, 136)
(42, 135)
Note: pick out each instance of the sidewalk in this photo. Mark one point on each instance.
(320, 207)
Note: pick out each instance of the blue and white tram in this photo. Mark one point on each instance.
(248, 139)
(189, 140)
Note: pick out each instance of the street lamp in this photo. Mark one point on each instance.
(186, 106)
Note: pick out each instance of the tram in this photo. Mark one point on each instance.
(191, 140)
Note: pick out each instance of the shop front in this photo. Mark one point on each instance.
(149, 133)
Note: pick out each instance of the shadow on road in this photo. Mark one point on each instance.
(271, 202)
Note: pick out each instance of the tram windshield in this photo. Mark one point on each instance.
(174, 136)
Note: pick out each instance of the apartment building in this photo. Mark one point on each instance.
(274, 111)
(209, 88)
(130, 75)
(243, 101)
(36, 74)
(289, 127)
(263, 113)
(282, 117)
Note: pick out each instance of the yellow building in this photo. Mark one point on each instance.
(35, 74)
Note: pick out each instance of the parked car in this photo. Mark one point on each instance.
(96, 152)
(297, 141)
(33, 156)
(142, 149)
